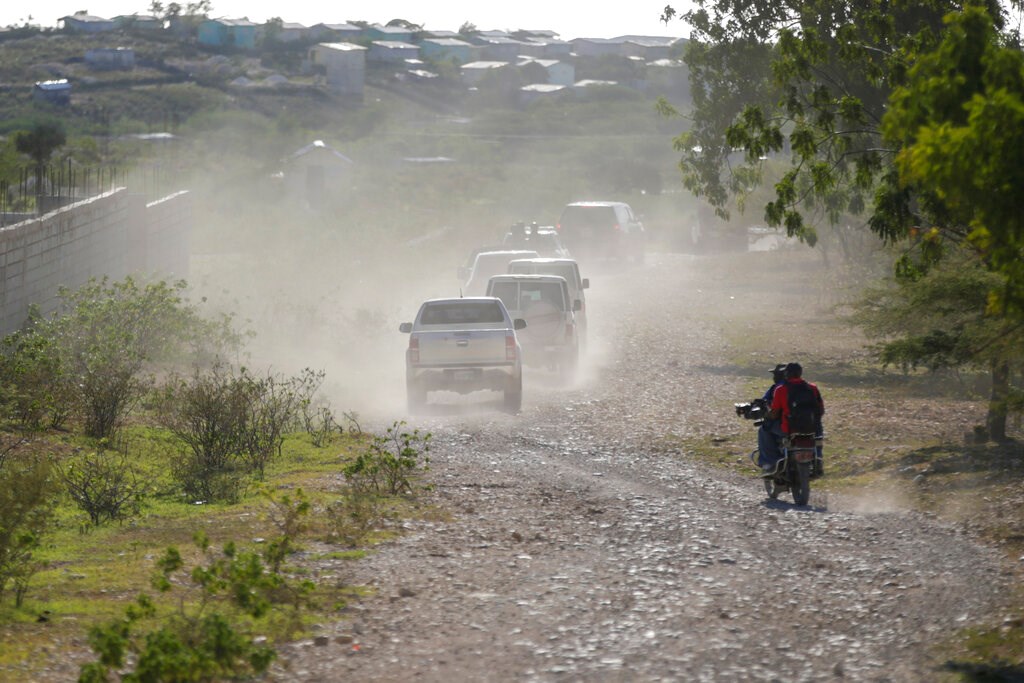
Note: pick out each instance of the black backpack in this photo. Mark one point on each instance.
(803, 408)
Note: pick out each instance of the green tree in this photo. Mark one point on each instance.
(39, 143)
(809, 80)
(942, 320)
(958, 123)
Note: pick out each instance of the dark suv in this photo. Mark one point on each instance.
(602, 229)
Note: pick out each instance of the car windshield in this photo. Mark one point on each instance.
(457, 312)
(564, 270)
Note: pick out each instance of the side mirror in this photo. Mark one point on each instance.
(519, 324)
(462, 273)
(586, 283)
(405, 328)
(577, 305)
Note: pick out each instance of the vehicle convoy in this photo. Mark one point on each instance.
(568, 269)
(486, 264)
(602, 229)
(463, 345)
(550, 339)
(799, 455)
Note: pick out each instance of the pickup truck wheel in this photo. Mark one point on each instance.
(514, 395)
(416, 397)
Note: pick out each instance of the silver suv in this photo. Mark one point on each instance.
(602, 229)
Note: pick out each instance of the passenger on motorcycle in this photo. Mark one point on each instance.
(799, 405)
(769, 436)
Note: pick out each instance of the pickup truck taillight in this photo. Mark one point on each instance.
(569, 329)
(414, 349)
(510, 347)
(617, 227)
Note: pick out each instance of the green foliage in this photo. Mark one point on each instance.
(958, 121)
(207, 638)
(818, 74)
(229, 424)
(41, 141)
(26, 499)
(36, 392)
(390, 462)
(940, 319)
(107, 335)
(103, 484)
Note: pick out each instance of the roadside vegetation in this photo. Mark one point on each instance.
(175, 512)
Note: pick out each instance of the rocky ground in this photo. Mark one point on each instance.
(581, 545)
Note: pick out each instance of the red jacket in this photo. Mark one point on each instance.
(780, 401)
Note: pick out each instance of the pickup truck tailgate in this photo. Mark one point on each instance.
(461, 347)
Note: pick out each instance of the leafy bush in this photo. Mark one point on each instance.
(230, 424)
(390, 462)
(208, 637)
(353, 517)
(36, 393)
(92, 355)
(207, 413)
(26, 497)
(103, 484)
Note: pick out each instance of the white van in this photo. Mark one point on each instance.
(568, 269)
(550, 339)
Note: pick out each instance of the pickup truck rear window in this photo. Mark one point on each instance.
(454, 313)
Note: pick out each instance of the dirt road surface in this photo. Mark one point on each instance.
(581, 545)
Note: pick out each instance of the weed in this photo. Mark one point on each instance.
(389, 462)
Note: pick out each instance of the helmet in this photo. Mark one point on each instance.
(794, 370)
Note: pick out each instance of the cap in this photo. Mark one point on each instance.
(781, 367)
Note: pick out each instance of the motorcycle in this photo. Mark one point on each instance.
(801, 457)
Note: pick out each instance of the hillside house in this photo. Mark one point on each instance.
(475, 72)
(138, 22)
(52, 92)
(559, 72)
(335, 32)
(315, 173)
(80, 22)
(444, 34)
(392, 51)
(292, 32)
(389, 33)
(448, 50)
(550, 48)
(113, 58)
(537, 91)
(344, 67)
(500, 48)
(596, 47)
(237, 33)
(649, 48)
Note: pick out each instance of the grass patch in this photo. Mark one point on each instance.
(88, 575)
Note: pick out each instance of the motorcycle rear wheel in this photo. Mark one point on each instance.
(802, 485)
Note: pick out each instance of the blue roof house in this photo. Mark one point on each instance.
(238, 33)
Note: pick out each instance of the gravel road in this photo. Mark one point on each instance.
(581, 547)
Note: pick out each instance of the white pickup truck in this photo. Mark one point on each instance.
(463, 345)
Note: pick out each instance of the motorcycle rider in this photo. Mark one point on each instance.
(781, 406)
(769, 436)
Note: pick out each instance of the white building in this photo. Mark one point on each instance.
(344, 66)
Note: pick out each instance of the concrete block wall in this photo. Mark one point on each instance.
(114, 235)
